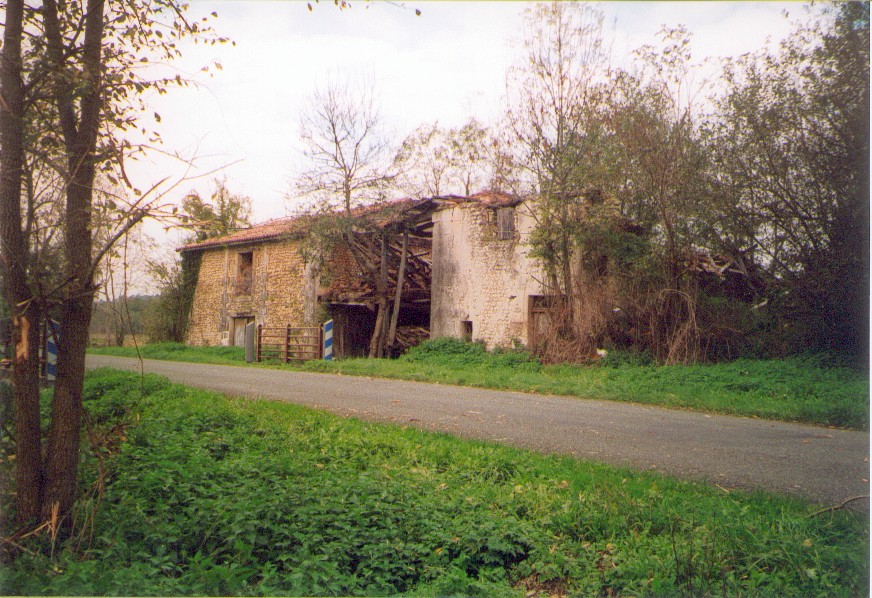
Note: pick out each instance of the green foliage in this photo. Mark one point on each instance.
(190, 266)
(451, 351)
(792, 143)
(167, 317)
(214, 496)
(617, 359)
(172, 351)
(222, 214)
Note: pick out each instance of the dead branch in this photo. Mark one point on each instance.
(841, 505)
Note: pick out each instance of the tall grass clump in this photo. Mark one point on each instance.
(205, 495)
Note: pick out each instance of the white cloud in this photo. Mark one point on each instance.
(448, 65)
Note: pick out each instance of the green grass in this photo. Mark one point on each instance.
(207, 495)
(178, 352)
(802, 389)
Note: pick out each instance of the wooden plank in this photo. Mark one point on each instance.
(259, 339)
(392, 329)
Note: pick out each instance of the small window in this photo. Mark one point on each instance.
(505, 224)
(244, 273)
(466, 330)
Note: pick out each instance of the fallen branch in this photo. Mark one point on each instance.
(840, 506)
(17, 546)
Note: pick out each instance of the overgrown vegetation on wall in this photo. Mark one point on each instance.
(168, 316)
(223, 213)
(698, 223)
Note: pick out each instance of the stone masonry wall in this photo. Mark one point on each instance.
(282, 291)
(206, 321)
(481, 279)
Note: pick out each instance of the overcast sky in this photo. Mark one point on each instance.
(446, 65)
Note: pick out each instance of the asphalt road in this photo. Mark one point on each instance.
(821, 464)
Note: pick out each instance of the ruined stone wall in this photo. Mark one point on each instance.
(341, 276)
(282, 291)
(481, 279)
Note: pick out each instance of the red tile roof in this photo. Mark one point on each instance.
(496, 199)
(382, 214)
(493, 199)
(289, 226)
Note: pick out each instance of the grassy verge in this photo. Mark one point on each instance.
(178, 352)
(809, 389)
(209, 495)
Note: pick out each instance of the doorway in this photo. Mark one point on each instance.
(237, 338)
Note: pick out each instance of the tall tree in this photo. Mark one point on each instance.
(437, 161)
(70, 92)
(123, 268)
(554, 97)
(792, 142)
(350, 159)
(662, 180)
(26, 313)
(222, 214)
(351, 164)
(166, 319)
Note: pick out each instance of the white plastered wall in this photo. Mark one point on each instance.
(480, 279)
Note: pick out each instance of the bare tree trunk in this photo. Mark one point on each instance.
(376, 333)
(62, 456)
(26, 315)
(29, 472)
(80, 138)
(384, 304)
(398, 298)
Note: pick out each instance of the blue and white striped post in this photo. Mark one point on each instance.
(328, 340)
(52, 338)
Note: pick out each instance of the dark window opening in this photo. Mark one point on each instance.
(466, 330)
(244, 273)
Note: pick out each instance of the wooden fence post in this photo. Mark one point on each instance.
(287, 342)
(259, 335)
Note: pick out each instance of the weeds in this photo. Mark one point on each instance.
(213, 496)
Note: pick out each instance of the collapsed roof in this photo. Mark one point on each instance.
(411, 215)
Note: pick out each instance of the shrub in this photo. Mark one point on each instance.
(457, 353)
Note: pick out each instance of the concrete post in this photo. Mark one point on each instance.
(250, 341)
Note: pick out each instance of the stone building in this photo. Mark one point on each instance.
(253, 275)
(468, 274)
(485, 287)
(260, 275)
